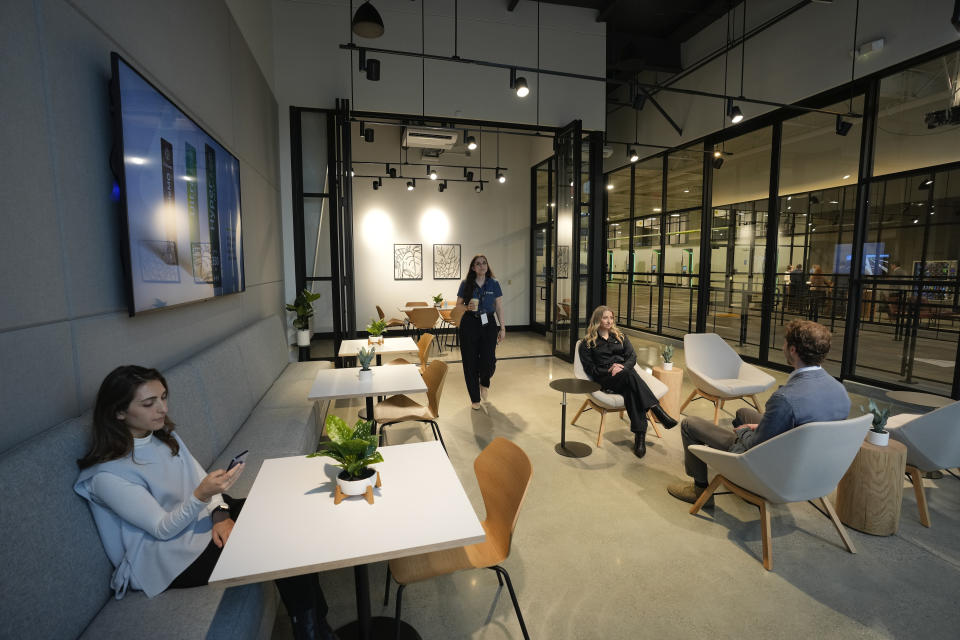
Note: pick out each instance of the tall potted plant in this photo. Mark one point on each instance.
(354, 450)
(878, 434)
(303, 308)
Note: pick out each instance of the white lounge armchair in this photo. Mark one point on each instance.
(933, 443)
(607, 402)
(802, 464)
(718, 374)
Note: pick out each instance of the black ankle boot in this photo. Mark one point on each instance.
(663, 417)
(639, 444)
(305, 625)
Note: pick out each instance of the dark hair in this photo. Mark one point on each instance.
(111, 437)
(472, 275)
(811, 340)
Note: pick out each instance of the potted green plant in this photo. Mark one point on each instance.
(354, 450)
(303, 308)
(438, 300)
(376, 329)
(365, 356)
(667, 353)
(878, 434)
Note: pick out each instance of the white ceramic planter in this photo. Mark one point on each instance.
(365, 374)
(303, 338)
(879, 439)
(667, 366)
(356, 487)
(375, 339)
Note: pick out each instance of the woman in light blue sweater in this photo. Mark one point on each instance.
(163, 520)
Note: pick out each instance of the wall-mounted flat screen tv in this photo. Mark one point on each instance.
(180, 194)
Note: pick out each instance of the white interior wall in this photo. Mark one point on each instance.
(312, 71)
(803, 55)
(63, 320)
(495, 222)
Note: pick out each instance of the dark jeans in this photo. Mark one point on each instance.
(478, 350)
(696, 430)
(637, 397)
(299, 593)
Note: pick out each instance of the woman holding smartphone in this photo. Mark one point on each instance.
(482, 327)
(163, 520)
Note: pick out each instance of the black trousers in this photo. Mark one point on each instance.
(299, 593)
(637, 397)
(696, 430)
(478, 349)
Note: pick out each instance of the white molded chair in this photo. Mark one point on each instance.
(933, 443)
(805, 463)
(607, 402)
(718, 373)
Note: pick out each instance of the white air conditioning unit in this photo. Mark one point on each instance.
(429, 138)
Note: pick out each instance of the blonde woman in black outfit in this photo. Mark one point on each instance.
(608, 358)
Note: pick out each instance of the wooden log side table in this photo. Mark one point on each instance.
(870, 493)
(674, 381)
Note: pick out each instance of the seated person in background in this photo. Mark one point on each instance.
(163, 520)
(608, 359)
(810, 395)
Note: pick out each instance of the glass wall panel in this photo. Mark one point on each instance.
(645, 277)
(918, 117)
(543, 253)
(738, 240)
(681, 264)
(818, 177)
(910, 314)
(617, 263)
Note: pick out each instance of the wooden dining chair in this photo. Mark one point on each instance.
(392, 322)
(503, 472)
(402, 408)
(424, 319)
(423, 346)
(416, 304)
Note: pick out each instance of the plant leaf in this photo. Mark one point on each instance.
(337, 429)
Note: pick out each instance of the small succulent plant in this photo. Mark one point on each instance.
(365, 355)
(667, 353)
(879, 416)
(437, 299)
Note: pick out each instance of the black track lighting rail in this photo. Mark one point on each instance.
(421, 178)
(663, 146)
(431, 164)
(723, 96)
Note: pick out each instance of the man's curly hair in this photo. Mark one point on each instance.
(811, 339)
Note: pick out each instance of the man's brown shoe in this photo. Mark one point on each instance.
(688, 493)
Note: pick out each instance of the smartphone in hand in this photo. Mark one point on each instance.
(238, 459)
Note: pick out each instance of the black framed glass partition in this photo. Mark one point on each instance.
(617, 257)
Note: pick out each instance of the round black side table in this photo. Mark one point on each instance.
(571, 385)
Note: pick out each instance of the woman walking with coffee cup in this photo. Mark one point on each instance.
(482, 327)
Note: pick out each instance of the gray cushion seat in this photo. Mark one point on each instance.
(241, 393)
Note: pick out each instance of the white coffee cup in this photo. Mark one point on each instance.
(474, 304)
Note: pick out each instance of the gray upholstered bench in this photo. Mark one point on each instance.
(242, 393)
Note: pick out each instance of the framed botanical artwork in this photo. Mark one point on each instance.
(408, 262)
(563, 261)
(446, 262)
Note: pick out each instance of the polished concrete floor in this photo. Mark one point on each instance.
(602, 551)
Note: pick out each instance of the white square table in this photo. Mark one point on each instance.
(332, 384)
(290, 526)
(349, 348)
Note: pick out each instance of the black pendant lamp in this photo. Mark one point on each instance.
(367, 22)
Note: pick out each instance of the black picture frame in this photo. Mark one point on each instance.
(408, 261)
(447, 261)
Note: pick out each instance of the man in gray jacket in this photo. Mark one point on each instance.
(810, 395)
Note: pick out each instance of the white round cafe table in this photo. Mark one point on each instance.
(919, 399)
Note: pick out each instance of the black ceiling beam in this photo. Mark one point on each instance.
(512, 5)
(662, 111)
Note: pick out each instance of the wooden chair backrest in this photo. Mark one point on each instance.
(435, 375)
(503, 473)
(380, 312)
(425, 318)
(416, 304)
(456, 314)
(424, 346)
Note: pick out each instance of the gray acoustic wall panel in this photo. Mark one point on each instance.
(32, 287)
(263, 255)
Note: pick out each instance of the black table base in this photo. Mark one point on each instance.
(380, 627)
(571, 385)
(573, 449)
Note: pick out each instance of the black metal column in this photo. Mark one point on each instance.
(770, 258)
(706, 226)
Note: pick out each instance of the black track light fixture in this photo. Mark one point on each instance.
(411, 184)
(519, 84)
(370, 65)
(377, 183)
(368, 134)
(501, 178)
(718, 162)
(468, 175)
(478, 188)
(843, 126)
(733, 112)
(442, 186)
(431, 173)
(367, 22)
(392, 171)
(926, 184)
(632, 155)
(470, 141)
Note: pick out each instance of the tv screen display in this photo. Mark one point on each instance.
(180, 191)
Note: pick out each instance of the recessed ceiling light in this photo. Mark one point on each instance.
(656, 209)
(686, 190)
(834, 202)
(609, 187)
(846, 177)
(674, 215)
